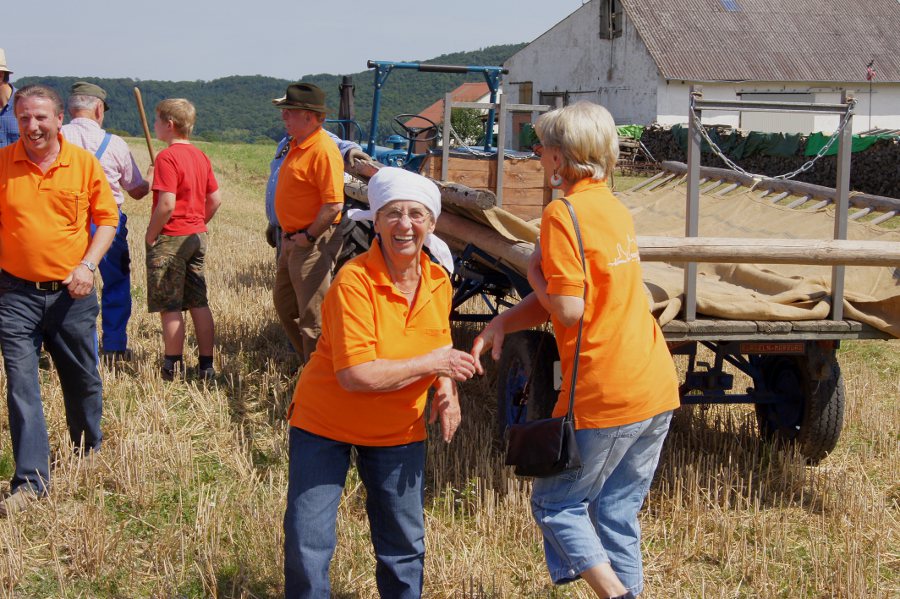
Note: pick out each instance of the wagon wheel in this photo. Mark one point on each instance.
(809, 412)
(357, 235)
(523, 353)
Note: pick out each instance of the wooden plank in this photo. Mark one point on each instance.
(769, 251)
(773, 327)
(525, 212)
(820, 204)
(675, 326)
(820, 326)
(721, 327)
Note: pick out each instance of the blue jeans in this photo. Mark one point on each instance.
(115, 302)
(393, 478)
(67, 328)
(588, 515)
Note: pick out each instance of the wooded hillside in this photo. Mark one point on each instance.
(239, 109)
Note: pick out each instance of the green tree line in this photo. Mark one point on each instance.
(239, 108)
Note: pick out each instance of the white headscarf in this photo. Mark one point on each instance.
(390, 184)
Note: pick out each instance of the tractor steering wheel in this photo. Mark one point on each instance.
(411, 134)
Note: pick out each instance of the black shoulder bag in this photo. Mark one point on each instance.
(546, 447)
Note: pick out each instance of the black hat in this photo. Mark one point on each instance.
(83, 88)
(302, 96)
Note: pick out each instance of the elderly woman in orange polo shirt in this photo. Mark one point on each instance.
(626, 387)
(385, 340)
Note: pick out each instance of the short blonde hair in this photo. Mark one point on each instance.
(586, 135)
(181, 112)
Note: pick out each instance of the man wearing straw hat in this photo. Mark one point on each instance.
(9, 129)
(87, 107)
(308, 199)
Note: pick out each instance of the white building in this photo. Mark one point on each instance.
(639, 57)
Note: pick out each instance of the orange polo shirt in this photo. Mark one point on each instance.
(363, 318)
(45, 217)
(311, 175)
(626, 373)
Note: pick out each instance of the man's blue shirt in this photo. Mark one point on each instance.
(9, 128)
(343, 145)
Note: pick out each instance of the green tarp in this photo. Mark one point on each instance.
(630, 131)
(817, 141)
(736, 146)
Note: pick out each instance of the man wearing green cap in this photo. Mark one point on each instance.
(309, 196)
(9, 128)
(87, 107)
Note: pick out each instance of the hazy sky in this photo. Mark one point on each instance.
(206, 39)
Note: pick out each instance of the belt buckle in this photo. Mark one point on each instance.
(48, 286)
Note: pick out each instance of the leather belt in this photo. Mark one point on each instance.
(39, 285)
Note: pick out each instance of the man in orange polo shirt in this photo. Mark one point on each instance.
(50, 193)
(308, 201)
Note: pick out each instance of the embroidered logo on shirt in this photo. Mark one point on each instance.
(626, 255)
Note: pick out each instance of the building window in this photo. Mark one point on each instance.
(611, 17)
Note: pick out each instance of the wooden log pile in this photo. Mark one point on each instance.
(875, 171)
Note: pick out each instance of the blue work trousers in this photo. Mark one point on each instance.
(115, 301)
(393, 478)
(67, 328)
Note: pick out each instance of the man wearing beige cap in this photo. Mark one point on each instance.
(308, 199)
(9, 128)
(87, 107)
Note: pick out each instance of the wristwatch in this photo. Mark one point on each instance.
(309, 236)
(90, 265)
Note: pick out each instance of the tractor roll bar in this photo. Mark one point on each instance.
(383, 68)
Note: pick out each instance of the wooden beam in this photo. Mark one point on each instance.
(769, 251)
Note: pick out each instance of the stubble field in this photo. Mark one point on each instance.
(188, 497)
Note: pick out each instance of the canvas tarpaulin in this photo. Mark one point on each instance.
(744, 291)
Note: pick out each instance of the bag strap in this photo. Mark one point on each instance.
(570, 414)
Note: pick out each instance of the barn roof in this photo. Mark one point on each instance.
(770, 40)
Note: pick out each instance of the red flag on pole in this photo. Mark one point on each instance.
(870, 70)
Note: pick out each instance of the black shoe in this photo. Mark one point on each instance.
(206, 374)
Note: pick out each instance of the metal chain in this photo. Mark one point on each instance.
(806, 166)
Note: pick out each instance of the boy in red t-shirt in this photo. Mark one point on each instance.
(185, 198)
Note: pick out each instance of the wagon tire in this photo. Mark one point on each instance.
(810, 413)
(357, 236)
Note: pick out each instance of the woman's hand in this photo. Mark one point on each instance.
(489, 338)
(445, 406)
(452, 363)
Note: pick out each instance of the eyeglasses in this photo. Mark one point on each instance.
(416, 216)
(538, 149)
